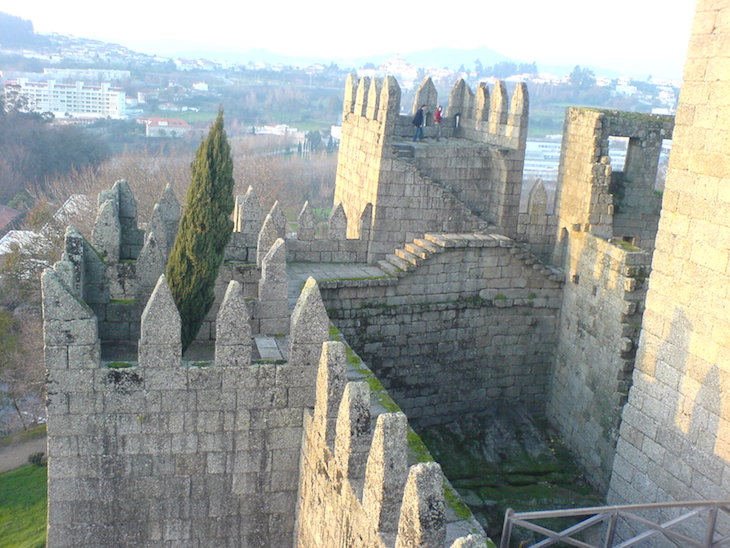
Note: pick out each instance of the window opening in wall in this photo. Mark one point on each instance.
(661, 173)
(618, 151)
(617, 148)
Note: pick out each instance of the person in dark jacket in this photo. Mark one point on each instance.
(419, 120)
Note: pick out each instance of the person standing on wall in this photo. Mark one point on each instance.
(419, 120)
(437, 118)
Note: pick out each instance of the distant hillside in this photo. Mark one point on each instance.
(18, 33)
(454, 58)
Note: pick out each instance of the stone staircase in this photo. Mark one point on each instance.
(407, 153)
(412, 254)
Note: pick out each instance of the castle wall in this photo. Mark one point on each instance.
(598, 332)
(161, 452)
(474, 321)
(674, 438)
(363, 483)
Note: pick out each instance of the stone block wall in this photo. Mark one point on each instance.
(591, 196)
(361, 483)
(473, 180)
(675, 436)
(478, 313)
(163, 452)
(537, 227)
(598, 333)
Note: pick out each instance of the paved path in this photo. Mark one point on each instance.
(15, 456)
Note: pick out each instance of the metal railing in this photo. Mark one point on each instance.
(603, 521)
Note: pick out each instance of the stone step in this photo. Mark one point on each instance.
(440, 240)
(428, 246)
(390, 268)
(403, 151)
(408, 256)
(398, 262)
(417, 250)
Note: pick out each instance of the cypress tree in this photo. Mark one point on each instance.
(205, 228)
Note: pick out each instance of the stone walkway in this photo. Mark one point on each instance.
(299, 272)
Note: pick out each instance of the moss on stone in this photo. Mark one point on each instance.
(417, 447)
(452, 499)
(119, 365)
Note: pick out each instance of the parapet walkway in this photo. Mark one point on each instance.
(299, 272)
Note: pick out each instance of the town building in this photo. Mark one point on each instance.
(70, 100)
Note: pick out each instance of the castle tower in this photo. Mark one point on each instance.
(675, 436)
(462, 185)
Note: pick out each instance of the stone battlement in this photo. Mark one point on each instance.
(162, 451)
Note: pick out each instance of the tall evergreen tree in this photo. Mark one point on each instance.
(205, 228)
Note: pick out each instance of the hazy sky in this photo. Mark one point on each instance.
(608, 33)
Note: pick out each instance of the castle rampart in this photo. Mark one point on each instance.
(164, 451)
(598, 332)
(480, 297)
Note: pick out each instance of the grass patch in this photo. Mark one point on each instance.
(121, 301)
(23, 507)
(120, 365)
(32, 433)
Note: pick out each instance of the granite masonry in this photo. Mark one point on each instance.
(605, 314)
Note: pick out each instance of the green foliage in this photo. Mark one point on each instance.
(582, 78)
(34, 151)
(23, 507)
(36, 459)
(205, 229)
(17, 32)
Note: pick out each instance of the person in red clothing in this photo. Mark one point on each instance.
(437, 117)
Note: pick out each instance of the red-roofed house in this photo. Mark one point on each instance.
(165, 127)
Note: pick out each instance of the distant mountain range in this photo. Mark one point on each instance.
(435, 58)
(17, 32)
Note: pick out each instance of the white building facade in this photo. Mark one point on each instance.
(70, 100)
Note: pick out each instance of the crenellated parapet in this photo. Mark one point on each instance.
(158, 449)
(118, 287)
(188, 444)
(370, 100)
(251, 240)
(359, 477)
(115, 234)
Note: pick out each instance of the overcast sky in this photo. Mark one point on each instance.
(610, 33)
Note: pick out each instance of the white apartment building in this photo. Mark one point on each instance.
(70, 100)
(87, 75)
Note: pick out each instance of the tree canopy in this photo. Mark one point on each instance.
(205, 228)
